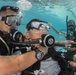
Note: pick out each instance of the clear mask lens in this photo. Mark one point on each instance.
(13, 20)
(40, 25)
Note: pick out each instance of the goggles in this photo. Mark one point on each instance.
(11, 20)
(39, 26)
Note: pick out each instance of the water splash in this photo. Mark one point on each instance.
(24, 4)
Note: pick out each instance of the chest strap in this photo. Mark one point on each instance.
(5, 45)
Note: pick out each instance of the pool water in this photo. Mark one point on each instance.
(54, 12)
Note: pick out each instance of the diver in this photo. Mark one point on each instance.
(52, 63)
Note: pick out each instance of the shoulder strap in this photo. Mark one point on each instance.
(5, 44)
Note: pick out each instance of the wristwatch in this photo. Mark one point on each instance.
(39, 54)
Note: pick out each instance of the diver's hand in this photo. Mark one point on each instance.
(72, 64)
(41, 48)
(67, 47)
(66, 44)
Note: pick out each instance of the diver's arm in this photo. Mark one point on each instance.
(64, 42)
(16, 63)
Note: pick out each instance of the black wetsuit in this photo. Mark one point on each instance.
(5, 45)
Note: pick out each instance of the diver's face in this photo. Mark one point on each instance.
(4, 27)
(35, 34)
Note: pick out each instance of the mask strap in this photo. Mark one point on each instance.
(2, 18)
(40, 26)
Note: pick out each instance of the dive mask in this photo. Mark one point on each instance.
(11, 20)
(39, 26)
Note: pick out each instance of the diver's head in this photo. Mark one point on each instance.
(71, 25)
(36, 28)
(9, 17)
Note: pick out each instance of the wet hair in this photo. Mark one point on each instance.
(4, 8)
